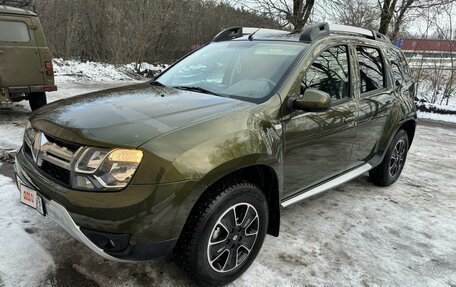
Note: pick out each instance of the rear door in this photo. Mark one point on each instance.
(376, 98)
(318, 144)
(19, 55)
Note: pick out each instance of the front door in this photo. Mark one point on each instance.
(318, 144)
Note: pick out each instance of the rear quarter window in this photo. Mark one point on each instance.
(14, 31)
(372, 74)
(399, 66)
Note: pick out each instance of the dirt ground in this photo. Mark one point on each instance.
(354, 235)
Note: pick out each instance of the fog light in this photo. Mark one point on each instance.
(109, 242)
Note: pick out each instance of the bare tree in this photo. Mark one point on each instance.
(294, 13)
(449, 86)
(359, 13)
(393, 13)
(435, 76)
(120, 31)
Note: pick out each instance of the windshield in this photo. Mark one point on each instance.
(246, 70)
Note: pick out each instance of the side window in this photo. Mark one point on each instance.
(329, 73)
(12, 31)
(372, 75)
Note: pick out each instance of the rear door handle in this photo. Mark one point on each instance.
(349, 120)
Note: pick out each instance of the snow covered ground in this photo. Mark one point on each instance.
(434, 100)
(437, 117)
(354, 235)
(77, 71)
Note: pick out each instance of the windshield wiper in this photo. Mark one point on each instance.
(196, 89)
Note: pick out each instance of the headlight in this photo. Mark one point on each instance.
(98, 169)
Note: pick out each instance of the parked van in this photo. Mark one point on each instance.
(26, 71)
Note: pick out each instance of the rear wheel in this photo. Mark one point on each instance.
(224, 234)
(391, 167)
(37, 100)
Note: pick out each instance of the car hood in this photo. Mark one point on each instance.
(129, 116)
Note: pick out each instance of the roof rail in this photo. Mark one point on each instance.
(238, 31)
(321, 30)
(315, 32)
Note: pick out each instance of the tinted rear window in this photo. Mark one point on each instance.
(400, 69)
(371, 69)
(12, 31)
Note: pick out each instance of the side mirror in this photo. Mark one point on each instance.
(313, 100)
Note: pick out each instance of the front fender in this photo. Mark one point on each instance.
(193, 159)
(212, 148)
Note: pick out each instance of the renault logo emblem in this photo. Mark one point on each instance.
(40, 145)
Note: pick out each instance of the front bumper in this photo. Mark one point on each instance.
(61, 216)
(140, 246)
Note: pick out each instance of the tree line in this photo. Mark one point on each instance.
(120, 31)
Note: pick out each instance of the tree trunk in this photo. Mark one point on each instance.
(386, 15)
(400, 18)
(301, 13)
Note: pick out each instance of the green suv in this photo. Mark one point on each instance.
(200, 161)
(26, 71)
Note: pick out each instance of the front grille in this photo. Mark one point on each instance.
(54, 158)
(70, 146)
(56, 172)
(27, 149)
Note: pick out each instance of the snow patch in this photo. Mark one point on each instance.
(78, 71)
(11, 136)
(437, 117)
(23, 262)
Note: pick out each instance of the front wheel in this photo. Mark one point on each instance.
(37, 100)
(224, 234)
(391, 167)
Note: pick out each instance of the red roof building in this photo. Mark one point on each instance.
(426, 46)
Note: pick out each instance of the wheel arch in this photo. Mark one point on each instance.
(262, 175)
(409, 126)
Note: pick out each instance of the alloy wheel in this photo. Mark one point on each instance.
(397, 158)
(233, 237)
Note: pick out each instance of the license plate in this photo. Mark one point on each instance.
(31, 198)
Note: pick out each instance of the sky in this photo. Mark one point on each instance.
(417, 24)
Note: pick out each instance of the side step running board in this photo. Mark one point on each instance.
(328, 185)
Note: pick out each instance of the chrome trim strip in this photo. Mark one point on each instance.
(328, 185)
(51, 152)
(350, 29)
(61, 152)
(60, 215)
(56, 161)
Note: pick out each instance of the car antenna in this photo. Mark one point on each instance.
(251, 35)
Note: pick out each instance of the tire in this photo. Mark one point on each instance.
(391, 167)
(211, 235)
(37, 100)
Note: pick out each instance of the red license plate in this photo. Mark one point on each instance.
(31, 198)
